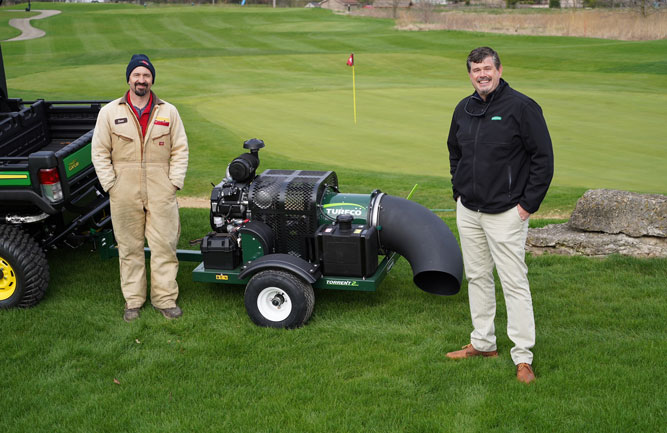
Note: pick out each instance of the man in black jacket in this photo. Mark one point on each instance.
(501, 161)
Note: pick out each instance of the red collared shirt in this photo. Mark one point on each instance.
(145, 116)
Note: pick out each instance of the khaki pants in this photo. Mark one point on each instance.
(144, 207)
(497, 239)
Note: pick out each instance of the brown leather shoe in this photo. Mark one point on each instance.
(131, 314)
(170, 313)
(468, 351)
(524, 373)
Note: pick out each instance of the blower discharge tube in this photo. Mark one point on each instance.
(407, 228)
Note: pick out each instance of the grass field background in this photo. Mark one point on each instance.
(367, 362)
(237, 73)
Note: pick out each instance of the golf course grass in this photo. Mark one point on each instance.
(366, 362)
(280, 75)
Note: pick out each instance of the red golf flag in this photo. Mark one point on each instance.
(350, 61)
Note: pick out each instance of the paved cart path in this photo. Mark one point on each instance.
(28, 31)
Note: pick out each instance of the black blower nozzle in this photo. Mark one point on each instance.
(425, 241)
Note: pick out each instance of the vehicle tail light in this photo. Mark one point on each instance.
(50, 182)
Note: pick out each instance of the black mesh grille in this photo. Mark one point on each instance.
(287, 201)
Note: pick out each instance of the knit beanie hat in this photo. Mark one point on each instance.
(139, 60)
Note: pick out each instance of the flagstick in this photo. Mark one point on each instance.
(354, 96)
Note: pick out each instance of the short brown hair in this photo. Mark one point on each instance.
(479, 54)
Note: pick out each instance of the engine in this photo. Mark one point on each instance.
(229, 198)
(289, 202)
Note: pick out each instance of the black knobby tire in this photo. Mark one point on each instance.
(295, 297)
(24, 269)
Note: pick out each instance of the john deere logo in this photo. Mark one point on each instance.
(334, 209)
(72, 165)
(222, 277)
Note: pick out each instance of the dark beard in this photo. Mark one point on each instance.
(140, 92)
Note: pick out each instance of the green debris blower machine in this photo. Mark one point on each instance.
(284, 233)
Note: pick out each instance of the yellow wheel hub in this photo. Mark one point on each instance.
(7, 280)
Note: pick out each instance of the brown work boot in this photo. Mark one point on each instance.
(130, 314)
(468, 351)
(170, 313)
(524, 373)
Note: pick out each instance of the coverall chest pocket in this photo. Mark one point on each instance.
(160, 146)
(123, 146)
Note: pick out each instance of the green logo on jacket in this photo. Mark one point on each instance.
(496, 118)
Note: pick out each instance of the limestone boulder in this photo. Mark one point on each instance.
(607, 222)
(566, 240)
(613, 211)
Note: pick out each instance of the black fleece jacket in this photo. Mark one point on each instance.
(500, 152)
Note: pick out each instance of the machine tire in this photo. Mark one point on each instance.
(267, 288)
(24, 271)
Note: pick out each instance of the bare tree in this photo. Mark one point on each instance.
(426, 10)
(394, 8)
(644, 7)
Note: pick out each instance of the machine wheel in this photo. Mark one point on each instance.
(24, 271)
(279, 299)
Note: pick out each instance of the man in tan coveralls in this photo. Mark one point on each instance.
(140, 153)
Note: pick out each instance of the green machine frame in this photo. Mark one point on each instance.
(252, 250)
